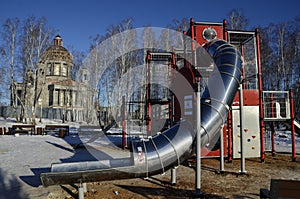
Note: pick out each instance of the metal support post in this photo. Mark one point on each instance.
(273, 138)
(123, 110)
(242, 171)
(198, 139)
(148, 94)
(80, 192)
(222, 170)
(292, 125)
(272, 124)
(84, 187)
(173, 176)
(229, 128)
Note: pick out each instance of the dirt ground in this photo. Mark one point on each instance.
(230, 184)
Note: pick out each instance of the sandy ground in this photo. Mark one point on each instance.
(213, 184)
(23, 158)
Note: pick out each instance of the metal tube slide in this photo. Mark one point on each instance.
(169, 149)
(222, 86)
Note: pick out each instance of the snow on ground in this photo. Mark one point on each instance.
(283, 141)
(23, 158)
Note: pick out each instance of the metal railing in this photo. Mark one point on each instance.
(276, 105)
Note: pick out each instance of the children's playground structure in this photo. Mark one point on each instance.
(222, 110)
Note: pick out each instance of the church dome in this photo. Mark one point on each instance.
(57, 52)
(56, 61)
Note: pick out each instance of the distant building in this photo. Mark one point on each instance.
(54, 73)
(55, 86)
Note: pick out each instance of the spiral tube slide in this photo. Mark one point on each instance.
(169, 149)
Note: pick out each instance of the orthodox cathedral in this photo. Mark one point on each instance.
(55, 87)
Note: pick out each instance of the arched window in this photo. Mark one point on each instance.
(57, 69)
(64, 70)
(50, 69)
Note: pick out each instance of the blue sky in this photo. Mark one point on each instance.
(77, 20)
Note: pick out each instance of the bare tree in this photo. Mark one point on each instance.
(78, 58)
(281, 68)
(180, 25)
(35, 38)
(88, 78)
(268, 58)
(8, 51)
(108, 62)
(297, 64)
(280, 44)
(120, 44)
(177, 40)
(237, 20)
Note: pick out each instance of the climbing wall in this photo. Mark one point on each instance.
(251, 132)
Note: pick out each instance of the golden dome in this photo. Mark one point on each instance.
(56, 52)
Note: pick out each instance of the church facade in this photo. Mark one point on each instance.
(56, 87)
(56, 94)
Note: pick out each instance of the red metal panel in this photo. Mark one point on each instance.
(182, 89)
(251, 98)
(199, 30)
(229, 130)
(225, 35)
